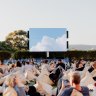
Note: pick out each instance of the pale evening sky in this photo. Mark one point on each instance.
(78, 16)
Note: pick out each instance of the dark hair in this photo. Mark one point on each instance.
(77, 65)
(46, 61)
(76, 78)
(1, 71)
(1, 62)
(27, 63)
(13, 66)
(18, 64)
(59, 60)
(32, 91)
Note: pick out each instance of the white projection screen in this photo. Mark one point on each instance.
(48, 39)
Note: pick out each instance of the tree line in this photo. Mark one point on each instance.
(16, 46)
(70, 54)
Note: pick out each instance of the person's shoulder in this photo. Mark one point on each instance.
(85, 91)
(85, 88)
(67, 91)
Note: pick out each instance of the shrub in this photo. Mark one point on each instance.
(4, 55)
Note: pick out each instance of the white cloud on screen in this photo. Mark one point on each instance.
(50, 44)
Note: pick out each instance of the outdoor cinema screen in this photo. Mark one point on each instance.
(47, 39)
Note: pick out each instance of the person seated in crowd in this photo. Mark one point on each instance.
(56, 74)
(90, 75)
(32, 91)
(19, 85)
(30, 68)
(4, 67)
(60, 63)
(12, 67)
(1, 73)
(45, 72)
(52, 66)
(92, 67)
(73, 65)
(17, 67)
(9, 89)
(76, 89)
(80, 65)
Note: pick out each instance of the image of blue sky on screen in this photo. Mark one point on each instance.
(47, 39)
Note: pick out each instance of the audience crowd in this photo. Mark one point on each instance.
(47, 78)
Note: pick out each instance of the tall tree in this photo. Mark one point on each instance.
(18, 40)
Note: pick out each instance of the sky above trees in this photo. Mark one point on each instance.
(78, 16)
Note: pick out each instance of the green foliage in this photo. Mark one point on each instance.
(76, 54)
(21, 54)
(18, 40)
(27, 54)
(82, 54)
(91, 54)
(4, 55)
(5, 47)
(70, 54)
(58, 55)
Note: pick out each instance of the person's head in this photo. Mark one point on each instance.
(76, 78)
(52, 64)
(13, 66)
(1, 71)
(81, 61)
(32, 63)
(94, 65)
(66, 83)
(1, 62)
(18, 64)
(46, 61)
(20, 78)
(10, 80)
(59, 60)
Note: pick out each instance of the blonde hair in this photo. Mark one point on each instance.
(10, 80)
